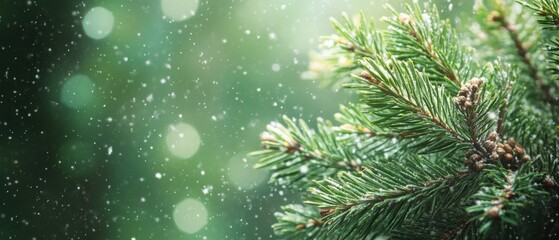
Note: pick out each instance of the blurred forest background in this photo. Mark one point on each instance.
(132, 119)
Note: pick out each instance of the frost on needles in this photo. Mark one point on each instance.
(446, 142)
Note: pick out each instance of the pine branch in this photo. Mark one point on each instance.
(354, 119)
(359, 37)
(548, 10)
(338, 59)
(501, 17)
(395, 163)
(406, 102)
(504, 196)
(553, 59)
(431, 43)
(296, 153)
(379, 198)
(298, 222)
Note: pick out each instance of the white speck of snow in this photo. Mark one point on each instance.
(214, 118)
(110, 150)
(247, 32)
(126, 59)
(158, 175)
(149, 98)
(304, 169)
(207, 189)
(276, 67)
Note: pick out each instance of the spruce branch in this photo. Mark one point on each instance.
(406, 102)
(504, 196)
(500, 16)
(354, 119)
(338, 59)
(359, 36)
(296, 153)
(431, 43)
(298, 221)
(383, 195)
(393, 167)
(548, 10)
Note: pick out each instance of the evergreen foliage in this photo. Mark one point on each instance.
(447, 142)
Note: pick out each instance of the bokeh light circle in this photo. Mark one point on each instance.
(77, 92)
(243, 175)
(182, 140)
(98, 23)
(179, 10)
(190, 215)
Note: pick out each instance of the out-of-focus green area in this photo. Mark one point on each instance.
(132, 119)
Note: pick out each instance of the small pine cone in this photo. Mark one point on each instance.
(460, 100)
(470, 153)
(475, 157)
(493, 212)
(474, 88)
(508, 157)
(300, 226)
(494, 16)
(489, 145)
(494, 156)
(493, 136)
(478, 166)
(511, 142)
(519, 151)
(508, 148)
(501, 151)
(524, 159)
(548, 182)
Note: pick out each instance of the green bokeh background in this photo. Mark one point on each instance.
(57, 176)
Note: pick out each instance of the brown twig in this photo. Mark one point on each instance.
(449, 181)
(429, 51)
(420, 111)
(523, 54)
